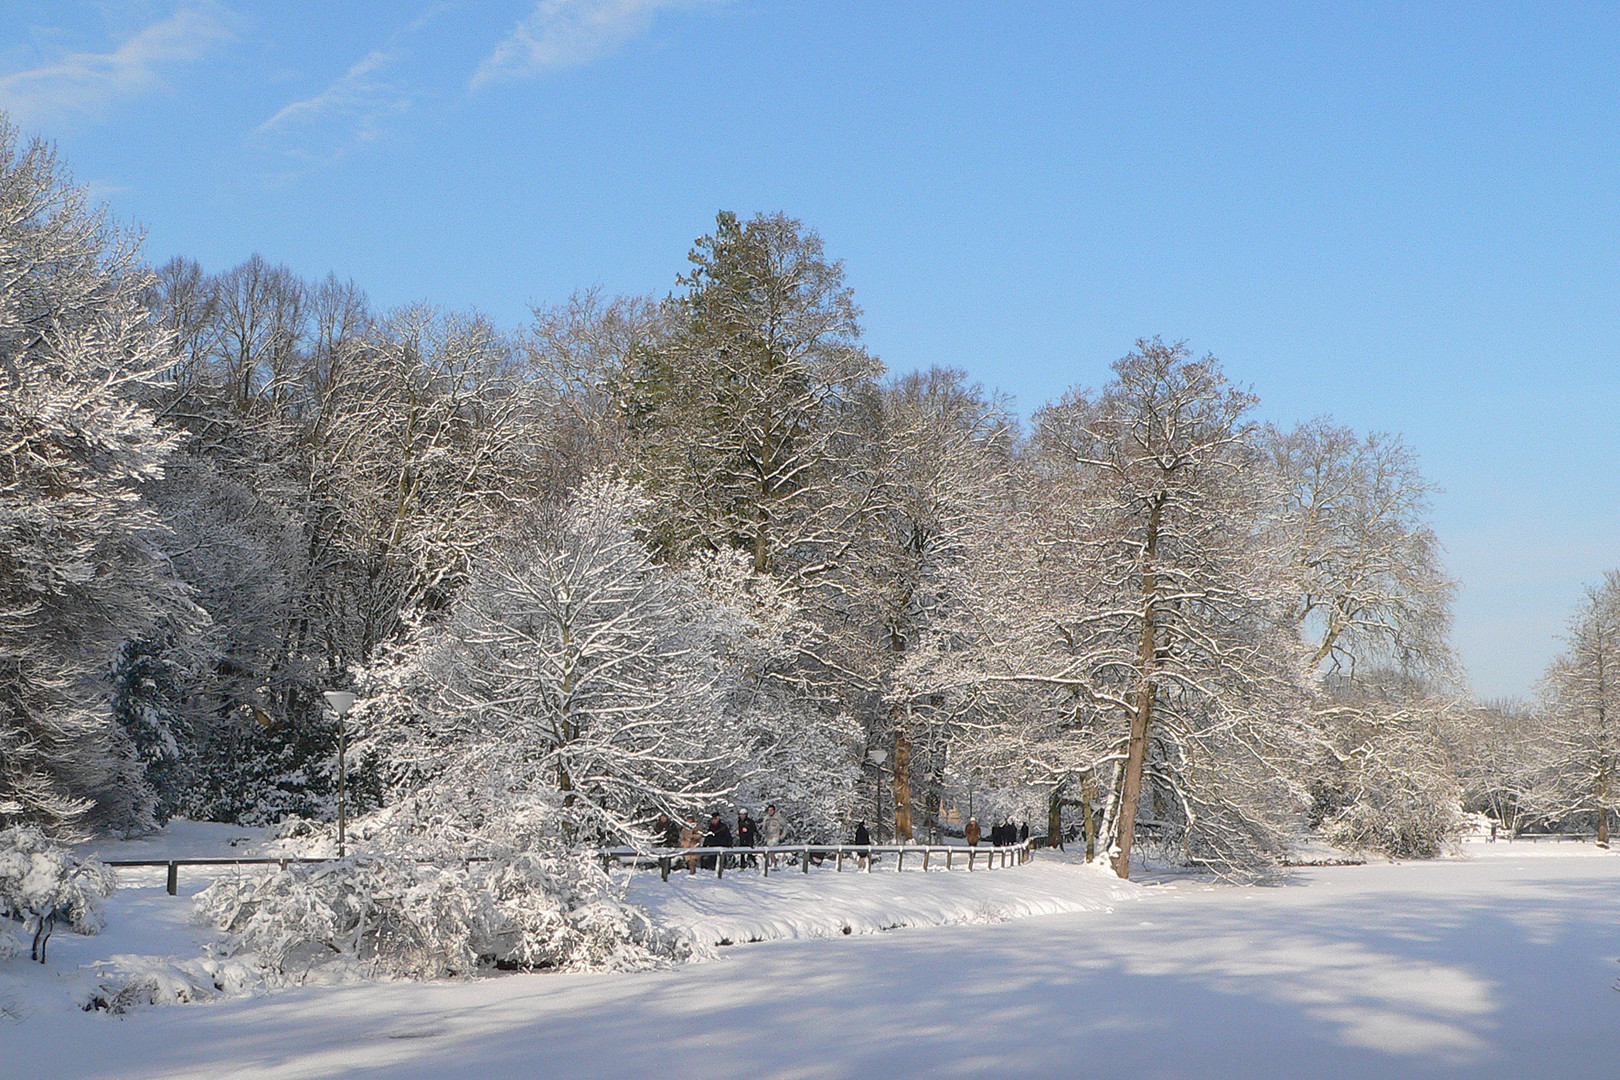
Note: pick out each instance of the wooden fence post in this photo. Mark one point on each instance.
(174, 879)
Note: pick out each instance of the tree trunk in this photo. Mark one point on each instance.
(1142, 715)
(1108, 825)
(1088, 795)
(1054, 819)
(933, 796)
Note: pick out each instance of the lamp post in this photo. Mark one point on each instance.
(341, 701)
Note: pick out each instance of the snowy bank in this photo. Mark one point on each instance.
(746, 906)
(153, 951)
(1443, 970)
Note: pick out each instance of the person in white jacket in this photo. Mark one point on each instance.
(772, 830)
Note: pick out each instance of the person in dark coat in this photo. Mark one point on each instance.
(862, 839)
(747, 836)
(1023, 832)
(666, 832)
(719, 835)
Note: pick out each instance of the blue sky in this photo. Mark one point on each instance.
(1403, 216)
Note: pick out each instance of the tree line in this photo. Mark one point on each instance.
(653, 553)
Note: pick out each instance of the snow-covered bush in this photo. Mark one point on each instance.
(396, 915)
(1388, 786)
(129, 982)
(40, 879)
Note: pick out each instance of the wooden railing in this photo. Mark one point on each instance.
(174, 865)
(864, 856)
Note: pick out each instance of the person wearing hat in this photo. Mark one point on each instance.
(747, 836)
(719, 835)
(972, 834)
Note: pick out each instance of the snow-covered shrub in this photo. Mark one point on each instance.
(396, 915)
(40, 879)
(1389, 810)
(1388, 787)
(129, 982)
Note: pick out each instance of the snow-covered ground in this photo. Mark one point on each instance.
(748, 907)
(1499, 963)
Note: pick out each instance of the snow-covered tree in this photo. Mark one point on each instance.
(578, 358)
(1578, 740)
(80, 567)
(938, 464)
(740, 413)
(1371, 588)
(1373, 604)
(1494, 750)
(1176, 634)
(1387, 781)
(42, 883)
(576, 685)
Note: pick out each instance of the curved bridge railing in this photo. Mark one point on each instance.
(863, 856)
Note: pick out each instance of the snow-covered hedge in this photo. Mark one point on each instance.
(39, 878)
(392, 915)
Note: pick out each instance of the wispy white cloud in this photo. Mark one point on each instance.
(568, 33)
(349, 112)
(86, 84)
(355, 109)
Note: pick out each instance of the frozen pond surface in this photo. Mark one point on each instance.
(1498, 965)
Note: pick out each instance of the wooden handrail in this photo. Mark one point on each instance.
(174, 865)
(663, 858)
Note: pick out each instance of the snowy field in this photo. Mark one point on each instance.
(1499, 964)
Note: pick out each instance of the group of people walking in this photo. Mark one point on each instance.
(771, 829)
(767, 831)
(1002, 834)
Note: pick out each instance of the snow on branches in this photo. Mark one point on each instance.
(80, 571)
(42, 884)
(411, 917)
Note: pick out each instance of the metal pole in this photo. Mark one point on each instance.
(340, 702)
(343, 759)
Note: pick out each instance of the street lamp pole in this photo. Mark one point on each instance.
(341, 702)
